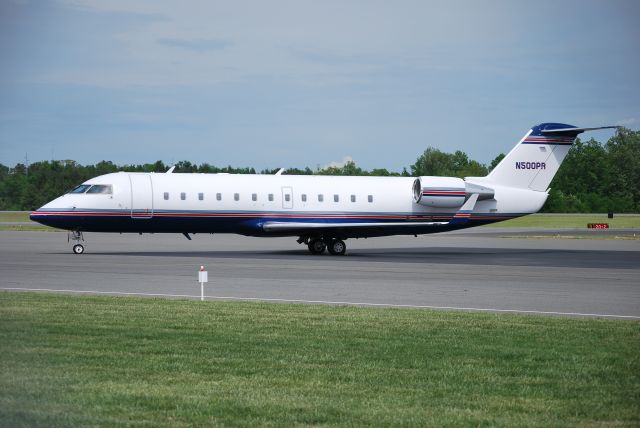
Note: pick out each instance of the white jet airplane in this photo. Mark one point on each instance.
(322, 211)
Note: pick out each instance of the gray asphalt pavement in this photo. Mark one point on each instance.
(471, 270)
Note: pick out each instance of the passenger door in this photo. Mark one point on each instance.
(141, 196)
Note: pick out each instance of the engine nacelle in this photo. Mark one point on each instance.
(441, 192)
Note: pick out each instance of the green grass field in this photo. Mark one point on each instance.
(21, 217)
(623, 221)
(14, 216)
(27, 228)
(96, 361)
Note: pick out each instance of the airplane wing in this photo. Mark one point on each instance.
(460, 217)
(275, 226)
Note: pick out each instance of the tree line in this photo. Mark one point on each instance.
(593, 178)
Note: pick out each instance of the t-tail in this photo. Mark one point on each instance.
(534, 161)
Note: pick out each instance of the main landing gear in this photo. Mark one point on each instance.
(317, 245)
(77, 237)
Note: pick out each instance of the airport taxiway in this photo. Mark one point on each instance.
(478, 269)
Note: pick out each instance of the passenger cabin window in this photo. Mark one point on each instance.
(218, 196)
(270, 197)
(303, 197)
(201, 196)
(80, 189)
(336, 198)
(100, 189)
(287, 197)
(236, 196)
(183, 196)
(166, 196)
(353, 198)
(254, 197)
(370, 198)
(320, 197)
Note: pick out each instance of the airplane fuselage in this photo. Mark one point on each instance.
(244, 204)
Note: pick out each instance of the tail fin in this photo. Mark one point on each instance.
(534, 161)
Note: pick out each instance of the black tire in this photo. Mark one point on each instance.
(78, 249)
(317, 246)
(337, 247)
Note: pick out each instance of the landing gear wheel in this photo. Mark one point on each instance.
(337, 247)
(77, 237)
(317, 246)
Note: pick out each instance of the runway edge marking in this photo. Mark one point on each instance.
(325, 302)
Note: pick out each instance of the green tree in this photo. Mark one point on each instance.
(494, 163)
(597, 178)
(623, 177)
(349, 168)
(593, 177)
(458, 164)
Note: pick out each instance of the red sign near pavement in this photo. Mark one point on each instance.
(598, 225)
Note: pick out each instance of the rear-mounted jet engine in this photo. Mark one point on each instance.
(447, 192)
(441, 192)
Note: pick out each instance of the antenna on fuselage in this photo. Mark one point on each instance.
(280, 171)
(171, 169)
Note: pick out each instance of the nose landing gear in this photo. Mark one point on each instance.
(77, 237)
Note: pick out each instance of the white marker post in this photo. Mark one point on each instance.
(202, 278)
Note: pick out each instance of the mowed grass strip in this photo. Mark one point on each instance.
(21, 217)
(79, 361)
(14, 216)
(560, 221)
(27, 228)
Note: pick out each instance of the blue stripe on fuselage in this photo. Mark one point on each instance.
(245, 223)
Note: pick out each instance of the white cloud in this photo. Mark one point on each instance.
(340, 164)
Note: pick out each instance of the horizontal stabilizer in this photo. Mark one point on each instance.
(572, 132)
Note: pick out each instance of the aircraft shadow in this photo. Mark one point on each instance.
(434, 255)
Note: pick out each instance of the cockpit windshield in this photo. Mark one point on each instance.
(105, 189)
(80, 189)
(100, 188)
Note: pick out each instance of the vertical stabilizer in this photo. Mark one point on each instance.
(534, 161)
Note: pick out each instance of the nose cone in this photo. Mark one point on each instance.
(51, 214)
(41, 216)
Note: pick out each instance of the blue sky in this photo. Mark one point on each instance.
(307, 83)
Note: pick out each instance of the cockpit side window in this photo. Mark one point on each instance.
(80, 189)
(101, 188)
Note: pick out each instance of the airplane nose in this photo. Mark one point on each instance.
(38, 216)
